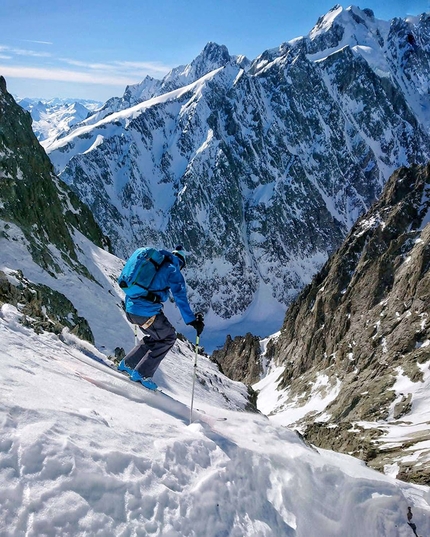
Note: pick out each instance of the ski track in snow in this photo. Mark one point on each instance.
(102, 458)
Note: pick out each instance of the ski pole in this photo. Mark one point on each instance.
(194, 379)
(135, 334)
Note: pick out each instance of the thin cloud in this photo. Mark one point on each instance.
(64, 75)
(126, 67)
(25, 52)
(38, 42)
(115, 73)
(145, 66)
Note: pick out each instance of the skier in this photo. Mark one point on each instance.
(159, 335)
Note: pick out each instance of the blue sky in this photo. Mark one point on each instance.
(93, 49)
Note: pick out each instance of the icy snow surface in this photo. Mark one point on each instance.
(85, 452)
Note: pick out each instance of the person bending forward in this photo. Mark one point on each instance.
(159, 335)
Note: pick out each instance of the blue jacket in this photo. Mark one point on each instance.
(168, 278)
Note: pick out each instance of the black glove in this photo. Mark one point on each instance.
(198, 323)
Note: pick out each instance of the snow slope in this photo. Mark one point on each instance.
(85, 452)
(106, 458)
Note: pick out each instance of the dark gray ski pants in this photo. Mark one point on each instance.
(158, 339)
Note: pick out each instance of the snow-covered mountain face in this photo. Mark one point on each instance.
(55, 117)
(84, 451)
(259, 168)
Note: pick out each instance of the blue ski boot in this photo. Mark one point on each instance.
(145, 381)
(123, 367)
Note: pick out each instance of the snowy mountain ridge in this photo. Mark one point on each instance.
(259, 168)
(210, 59)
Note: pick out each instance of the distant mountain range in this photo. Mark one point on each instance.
(54, 117)
(261, 167)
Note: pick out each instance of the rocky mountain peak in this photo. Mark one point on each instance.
(350, 27)
(339, 16)
(141, 92)
(3, 87)
(213, 55)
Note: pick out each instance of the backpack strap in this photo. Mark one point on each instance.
(156, 265)
(152, 297)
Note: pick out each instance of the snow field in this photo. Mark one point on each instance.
(79, 459)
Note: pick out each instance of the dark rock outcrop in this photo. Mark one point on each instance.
(369, 303)
(42, 308)
(239, 358)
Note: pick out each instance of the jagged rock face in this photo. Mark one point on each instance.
(380, 272)
(240, 358)
(364, 316)
(42, 308)
(32, 197)
(48, 213)
(260, 169)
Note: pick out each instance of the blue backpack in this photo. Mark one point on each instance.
(139, 271)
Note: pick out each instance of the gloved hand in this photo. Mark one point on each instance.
(198, 323)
